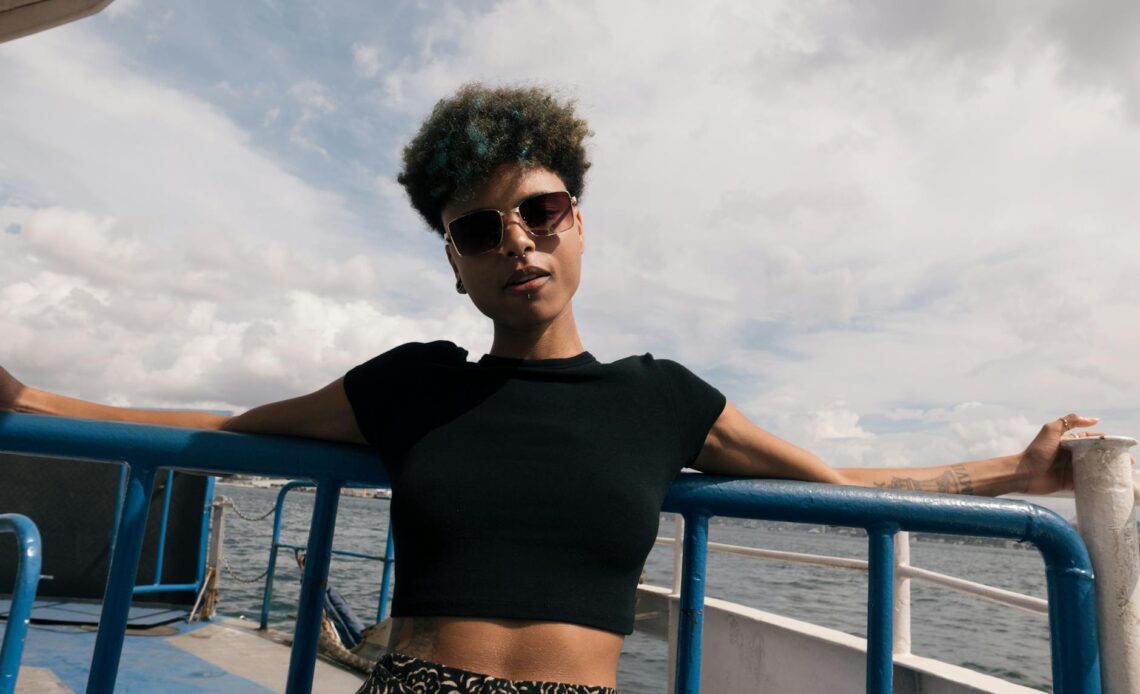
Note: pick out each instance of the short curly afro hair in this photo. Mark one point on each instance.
(469, 135)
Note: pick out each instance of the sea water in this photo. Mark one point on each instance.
(1004, 641)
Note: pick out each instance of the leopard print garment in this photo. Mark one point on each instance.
(402, 674)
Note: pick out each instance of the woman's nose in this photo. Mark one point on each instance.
(517, 241)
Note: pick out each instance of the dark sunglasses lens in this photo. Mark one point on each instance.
(548, 213)
(477, 232)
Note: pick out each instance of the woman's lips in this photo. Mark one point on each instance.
(529, 286)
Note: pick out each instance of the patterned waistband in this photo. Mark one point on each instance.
(424, 677)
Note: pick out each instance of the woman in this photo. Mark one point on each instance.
(528, 485)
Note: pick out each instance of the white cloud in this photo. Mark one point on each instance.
(856, 221)
(144, 324)
(160, 259)
(313, 96)
(924, 214)
(366, 58)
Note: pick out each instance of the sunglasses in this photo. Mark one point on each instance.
(481, 231)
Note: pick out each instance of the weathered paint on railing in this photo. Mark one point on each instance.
(23, 595)
(1106, 514)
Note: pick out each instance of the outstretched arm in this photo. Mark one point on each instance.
(323, 414)
(736, 446)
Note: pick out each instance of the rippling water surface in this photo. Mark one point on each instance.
(1007, 642)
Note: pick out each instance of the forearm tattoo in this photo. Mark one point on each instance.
(955, 480)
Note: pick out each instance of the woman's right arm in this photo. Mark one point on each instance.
(323, 414)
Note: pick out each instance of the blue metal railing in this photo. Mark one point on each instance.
(157, 586)
(697, 497)
(1069, 576)
(276, 543)
(23, 596)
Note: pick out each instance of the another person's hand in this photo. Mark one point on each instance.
(1046, 465)
(10, 390)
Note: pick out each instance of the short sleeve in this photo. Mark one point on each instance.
(696, 405)
(379, 389)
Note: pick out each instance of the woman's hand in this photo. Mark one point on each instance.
(1045, 466)
(10, 390)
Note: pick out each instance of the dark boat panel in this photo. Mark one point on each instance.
(73, 504)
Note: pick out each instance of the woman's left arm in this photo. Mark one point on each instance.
(735, 446)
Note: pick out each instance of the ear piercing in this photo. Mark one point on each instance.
(459, 286)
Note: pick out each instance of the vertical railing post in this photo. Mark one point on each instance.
(386, 575)
(901, 627)
(880, 565)
(215, 556)
(121, 582)
(691, 618)
(271, 570)
(1106, 517)
(160, 557)
(28, 564)
(204, 545)
(678, 551)
(310, 606)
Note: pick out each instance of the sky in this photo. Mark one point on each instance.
(893, 233)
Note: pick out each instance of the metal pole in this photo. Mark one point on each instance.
(692, 614)
(386, 575)
(678, 551)
(120, 582)
(310, 606)
(901, 629)
(161, 557)
(880, 564)
(203, 546)
(1106, 516)
(216, 554)
(28, 563)
(271, 570)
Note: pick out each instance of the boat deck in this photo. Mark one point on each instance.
(226, 655)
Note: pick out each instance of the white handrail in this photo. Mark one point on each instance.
(982, 590)
(1106, 517)
(900, 610)
(999, 595)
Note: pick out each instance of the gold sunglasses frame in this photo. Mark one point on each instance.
(503, 221)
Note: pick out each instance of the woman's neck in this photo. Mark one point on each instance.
(557, 339)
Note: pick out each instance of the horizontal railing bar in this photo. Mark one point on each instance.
(216, 452)
(998, 595)
(341, 552)
(982, 590)
(167, 588)
(794, 557)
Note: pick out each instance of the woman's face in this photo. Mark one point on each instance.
(491, 278)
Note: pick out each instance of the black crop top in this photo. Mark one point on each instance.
(527, 489)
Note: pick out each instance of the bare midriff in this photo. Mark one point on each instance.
(512, 648)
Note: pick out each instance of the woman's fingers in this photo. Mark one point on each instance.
(1071, 421)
